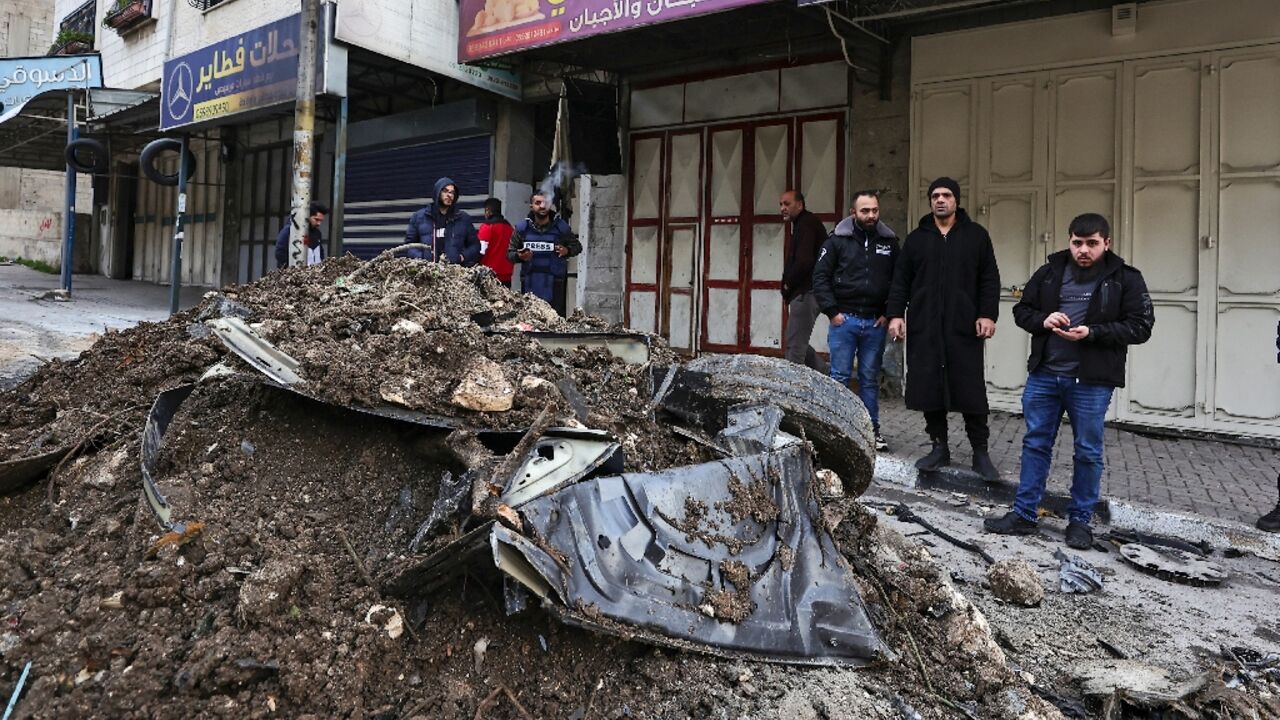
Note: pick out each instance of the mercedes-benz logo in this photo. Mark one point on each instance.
(180, 85)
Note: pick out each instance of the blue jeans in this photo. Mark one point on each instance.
(859, 336)
(1044, 398)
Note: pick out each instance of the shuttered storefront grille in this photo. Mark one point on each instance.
(385, 187)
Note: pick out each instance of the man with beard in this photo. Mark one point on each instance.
(446, 229)
(851, 283)
(543, 243)
(944, 301)
(1083, 308)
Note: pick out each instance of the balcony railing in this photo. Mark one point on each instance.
(75, 32)
(80, 19)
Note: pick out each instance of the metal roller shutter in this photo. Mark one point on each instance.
(385, 187)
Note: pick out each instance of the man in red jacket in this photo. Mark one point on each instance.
(495, 234)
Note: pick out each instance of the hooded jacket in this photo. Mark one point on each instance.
(1119, 315)
(855, 269)
(452, 236)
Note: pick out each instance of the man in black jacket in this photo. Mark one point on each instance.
(947, 287)
(851, 283)
(807, 235)
(1083, 308)
(1271, 521)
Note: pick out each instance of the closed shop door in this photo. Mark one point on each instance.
(385, 187)
(706, 242)
(1182, 154)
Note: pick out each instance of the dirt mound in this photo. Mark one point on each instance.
(263, 604)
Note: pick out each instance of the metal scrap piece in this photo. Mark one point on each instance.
(16, 474)
(1077, 575)
(612, 554)
(1174, 565)
(256, 350)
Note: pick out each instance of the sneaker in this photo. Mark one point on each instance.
(983, 466)
(938, 458)
(1010, 524)
(1079, 536)
(1271, 521)
(881, 444)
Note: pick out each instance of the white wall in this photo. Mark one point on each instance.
(1163, 27)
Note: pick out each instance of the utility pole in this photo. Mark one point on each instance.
(69, 207)
(179, 228)
(304, 124)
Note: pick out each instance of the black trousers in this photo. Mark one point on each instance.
(975, 426)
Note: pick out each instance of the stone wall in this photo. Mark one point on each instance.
(601, 219)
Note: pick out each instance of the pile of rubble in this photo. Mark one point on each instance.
(396, 489)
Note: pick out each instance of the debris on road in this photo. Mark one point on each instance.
(1015, 581)
(1174, 565)
(1076, 575)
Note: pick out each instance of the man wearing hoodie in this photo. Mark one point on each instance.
(851, 283)
(444, 228)
(543, 243)
(944, 301)
(1083, 308)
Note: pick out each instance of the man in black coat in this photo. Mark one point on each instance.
(807, 235)
(1083, 308)
(947, 284)
(1271, 521)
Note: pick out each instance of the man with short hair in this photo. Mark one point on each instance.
(314, 242)
(851, 284)
(495, 237)
(444, 228)
(543, 244)
(1083, 308)
(946, 296)
(807, 235)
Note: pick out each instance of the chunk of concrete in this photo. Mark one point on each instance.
(484, 388)
(1015, 581)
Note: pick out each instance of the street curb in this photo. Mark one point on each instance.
(1121, 514)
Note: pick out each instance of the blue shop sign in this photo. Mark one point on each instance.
(253, 70)
(21, 79)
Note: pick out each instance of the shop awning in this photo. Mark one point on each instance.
(36, 137)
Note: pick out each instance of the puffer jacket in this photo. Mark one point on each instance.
(452, 237)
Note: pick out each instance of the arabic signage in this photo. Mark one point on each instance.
(21, 79)
(253, 70)
(497, 27)
(422, 33)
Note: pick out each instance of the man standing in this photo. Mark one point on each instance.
(314, 242)
(807, 236)
(851, 284)
(1083, 308)
(947, 284)
(445, 228)
(495, 237)
(543, 243)
(1271, 521)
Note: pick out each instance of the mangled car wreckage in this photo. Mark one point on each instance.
(729, 556)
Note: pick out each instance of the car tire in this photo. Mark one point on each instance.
(96, 150)
(816, 407)
(152, 151)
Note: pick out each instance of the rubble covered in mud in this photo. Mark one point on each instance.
(268, 601)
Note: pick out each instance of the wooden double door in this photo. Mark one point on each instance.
(706, 241)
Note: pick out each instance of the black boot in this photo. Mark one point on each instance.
(983, 466)
(938, 458)
(1271, 521)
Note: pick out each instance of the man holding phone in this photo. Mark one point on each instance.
(1083, 308)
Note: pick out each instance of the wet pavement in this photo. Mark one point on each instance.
(1213, 478)
(35, 330)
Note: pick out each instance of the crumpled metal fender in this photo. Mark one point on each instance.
(649, 556)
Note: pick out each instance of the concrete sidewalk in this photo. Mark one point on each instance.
(33, 330)
(1215, 479)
